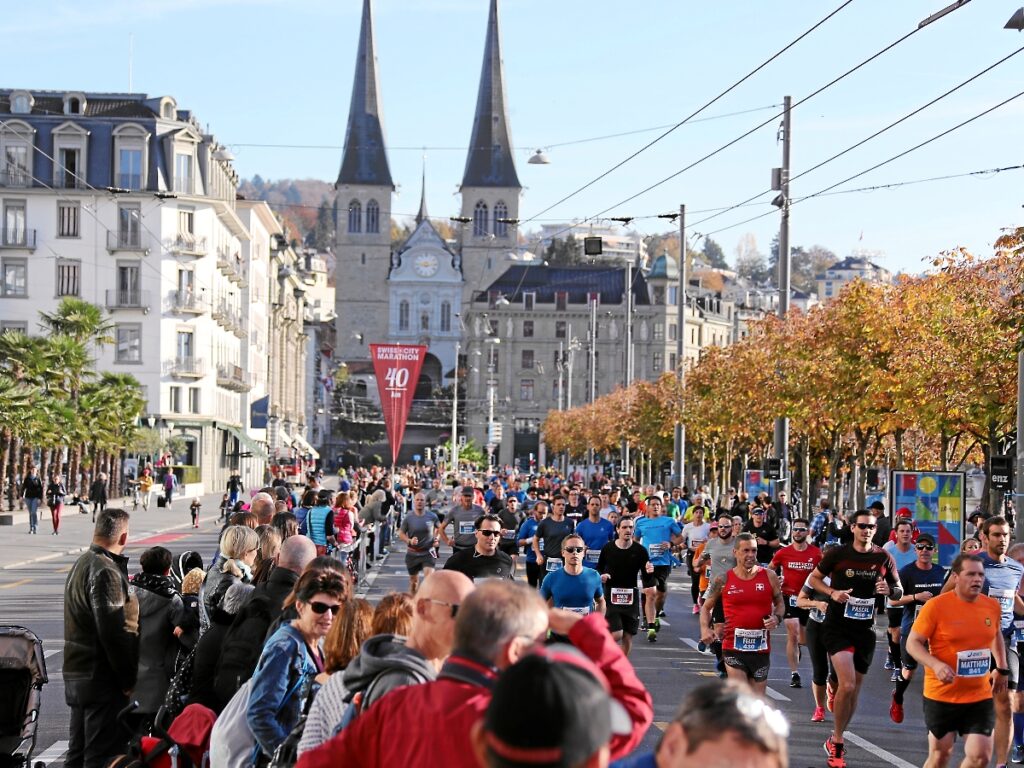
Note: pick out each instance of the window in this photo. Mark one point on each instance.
(128, 294)
(526, 389)
(15, 278)
(68, 216)
(14, 232)
(185, 346)
(183, 172)
(68, 278)
(175, 404)
(129, 168)
(194, 399)
(129, 226)
(131, 152)
(480, 219)
(527, 361)
(659, 295)
(403, 316)
(555, 394)
(673, 331)
(21, 103)
(70, 157)
(659, 331)
(424, 322)
(17, 172)
(355, 216)
(446, 316)
(69, 169)
(187, 222)
(128, 341)
(362, 259)
(74, 104)
(560, 329)
(561, 300)
(372, 216)
(492, 327)
(529, 299)
(528, 329)
(656, 362)
(673, 295)
(500, 219)
(673, 361)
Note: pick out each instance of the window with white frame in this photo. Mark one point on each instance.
(194, 399)
(183, 180)
(15, 233)
(174, 397)
(21, 103)
(14, 275)
(529, 299)
(68, 218)
(659, 331)
(480, 219)
(74, 104)
(128, 343)
(656, 362)
(129, 225)
(131, 153)
(372, 216)
(186, 223)
(526, 389)
(69, 277)
(17, 170)
(70, 144)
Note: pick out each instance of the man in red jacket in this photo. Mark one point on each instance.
(497, 624)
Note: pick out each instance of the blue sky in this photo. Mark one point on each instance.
(279, 72)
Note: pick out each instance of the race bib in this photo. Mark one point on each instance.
(750, 640)
(860, 608)
(621, 596)
(592, 555)
(792, 601)
(817, 615)
(466, 528)
(1005, 598)
(508, 535)
(707, 573)
(553, 564)
(581, 611)
(1018, 630)
(973, 663)
(657, 550)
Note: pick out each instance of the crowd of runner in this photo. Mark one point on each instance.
(524, 600)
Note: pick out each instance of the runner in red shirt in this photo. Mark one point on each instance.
(795, 564)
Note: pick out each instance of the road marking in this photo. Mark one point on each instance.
(53, 753)
(15, 584)
(772, 693)
(874, 749)
(51, 652)
(690, 642)
(65, 569)
(661, 726)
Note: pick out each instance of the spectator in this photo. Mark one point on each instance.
(393, 615)
(307, 502)
(101, 644)
(262, 505)
(187, 629)
(98, 494)
(238, 548)
(292, 660)
(320, 524)
(497, 624)
(32, 492)
(286, 524)
(266, 555)
(210, 645)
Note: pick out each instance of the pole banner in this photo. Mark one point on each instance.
(397, 367)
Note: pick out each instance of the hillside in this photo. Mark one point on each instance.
(296, 202)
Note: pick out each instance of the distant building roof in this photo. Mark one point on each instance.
(578, 282)
(664, 267)
(96, 104)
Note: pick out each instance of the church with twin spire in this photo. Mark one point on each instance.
(414, 293)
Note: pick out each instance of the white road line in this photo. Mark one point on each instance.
(52, 754)
(690, 642)
(874, 749)
(51, 652)
(772, 693)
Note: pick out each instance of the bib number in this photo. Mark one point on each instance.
(552, 564)
(509, 535)
(792, 601)
(860, 608)
(973, 663)
(1018, 630)
(707, 573)
(750, 640)
(816, 615)
(581, 611)
(466, 528)
(621, 596)
(592, 555)
(1005, 598)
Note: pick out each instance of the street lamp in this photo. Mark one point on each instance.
(491, 385)
(151, 420)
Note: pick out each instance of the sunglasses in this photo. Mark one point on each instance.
(454, 606)
(490, 533)
(799, 530)
(924, 547)
(574, 549)
(321, 608)
(865, 526)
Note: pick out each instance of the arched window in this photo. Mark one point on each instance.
(372, 216)
(480, 219)
(403, 316)
(446, 316)
(424, 322)
(355, 217)
(500, 219)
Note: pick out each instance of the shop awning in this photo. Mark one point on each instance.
(245, 443)
(305, 447)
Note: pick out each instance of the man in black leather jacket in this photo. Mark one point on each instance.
(101, 644)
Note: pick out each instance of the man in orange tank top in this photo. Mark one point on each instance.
(752, 601)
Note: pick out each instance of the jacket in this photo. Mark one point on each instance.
(243, 642)
(387, 660)
(282, 680)
(101, 628)
(160, 611)
(458, 699)
(32, 487)
(204, 663)
(98, 492)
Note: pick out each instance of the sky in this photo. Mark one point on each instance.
(279, 72)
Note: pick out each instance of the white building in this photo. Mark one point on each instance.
(846, 271)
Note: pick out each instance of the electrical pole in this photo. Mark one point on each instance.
(679, 458)
(782, 423)
(628, 302)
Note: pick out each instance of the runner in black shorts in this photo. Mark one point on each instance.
(859, 572)
(619, 564)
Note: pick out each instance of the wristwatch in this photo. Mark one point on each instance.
(1003, 672)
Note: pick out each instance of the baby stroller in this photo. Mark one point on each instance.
(184, 744)
(22, 676)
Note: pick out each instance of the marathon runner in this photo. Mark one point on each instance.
(904, 554)
(595, 532)
(621, 561)
(765, 533)
(751, 598)
(823, 679)
(547, 540)
(525, 538)
(921, 582)
(508, 513)
(860, 571)
(695, 533)
(716, 560)
(462, 516)
(574, 587)
(795, 563)
(657, 533)
(484, 560)
(437, 499)
(419, 532)
(960, 628)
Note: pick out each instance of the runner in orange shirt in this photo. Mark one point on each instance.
(956, 638)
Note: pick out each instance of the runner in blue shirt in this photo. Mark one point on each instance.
(527, 530)
(595, 530)
(573, 587)
(658, 533)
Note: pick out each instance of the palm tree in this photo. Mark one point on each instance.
(82, 321)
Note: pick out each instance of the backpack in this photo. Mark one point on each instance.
(232, 744)
(287, 753)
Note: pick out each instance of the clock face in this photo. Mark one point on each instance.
(426, 265)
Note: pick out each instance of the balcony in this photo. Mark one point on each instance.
(232, 377)
(18, 237)
(69, 180)
(132, 181)
(15, 177)
(127, 299)
(186, 302)
(229, 317)
(187, 368)
(231, 265)
(188, 245)
(127, 241)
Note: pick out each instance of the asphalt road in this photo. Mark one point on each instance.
(31, 595)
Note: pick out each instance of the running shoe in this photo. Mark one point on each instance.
(896, 710)
(836, 754)
(657, 625)
(1017, 755)
(696, 609)
(661, 614)
(702, 646)
(888, 662)
(819, 715)
(895, 676)
(794, 680)
(652, 635)
(830, 696)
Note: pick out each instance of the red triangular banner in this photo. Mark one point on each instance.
(397, 367)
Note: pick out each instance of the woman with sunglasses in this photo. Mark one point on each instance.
(292, 661)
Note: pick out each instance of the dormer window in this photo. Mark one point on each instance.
(74, 104)
(70, 147)
(21, 102)
(16, 139)
(131, 156)
(168, 109)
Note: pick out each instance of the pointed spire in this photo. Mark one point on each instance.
(364, 160)
(422, 215)
(490, 162)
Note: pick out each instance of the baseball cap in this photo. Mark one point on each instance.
(876, 505)
(467, 490)
(553, 707)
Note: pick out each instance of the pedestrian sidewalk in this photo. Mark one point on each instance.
(19, 547)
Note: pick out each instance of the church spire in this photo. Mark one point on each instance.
(364, 160)
(490, 162)
(422, 215)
